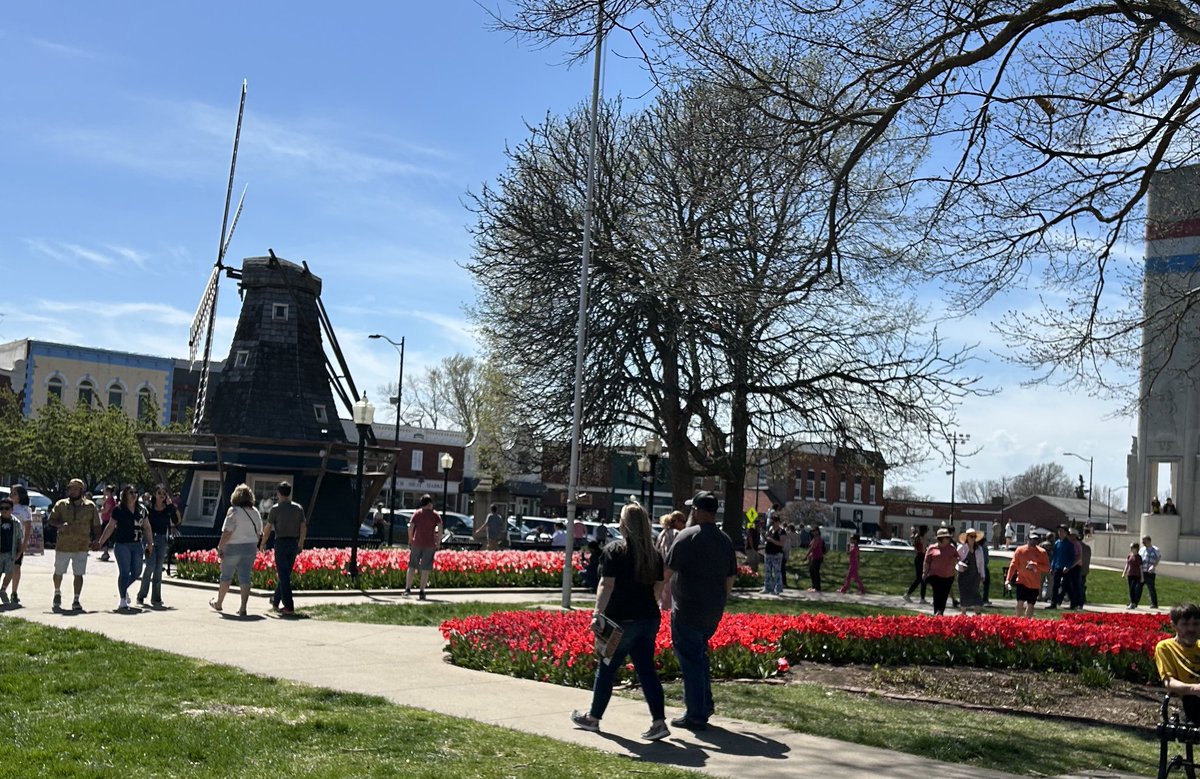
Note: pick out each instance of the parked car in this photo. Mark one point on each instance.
(458, 529)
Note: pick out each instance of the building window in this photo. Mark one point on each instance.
(242, 358)
(116, 396)
(418, 458)
(210, 496)
(54, 388)
(858, 489)
(264, 491)
(320, 413)
(871, 495)
(810, 485)
(87, 392)
(821, 493)
(842, 487)
(145, 403)
(279, 311)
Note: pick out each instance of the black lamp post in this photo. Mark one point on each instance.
(955, 440)
(396, 464)
(653, 452)
(364, 415)
(447, 462)
(643, 466)
(1090, 461)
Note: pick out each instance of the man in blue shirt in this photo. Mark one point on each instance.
(1060, 565)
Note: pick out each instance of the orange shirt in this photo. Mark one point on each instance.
(1018, 569)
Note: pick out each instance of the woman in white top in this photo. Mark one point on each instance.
(23, 514)
(972, 570)
(238, 546)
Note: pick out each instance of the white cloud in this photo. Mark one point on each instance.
(107, 256)
(62, 49)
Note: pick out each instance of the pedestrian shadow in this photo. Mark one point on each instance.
(675, 751)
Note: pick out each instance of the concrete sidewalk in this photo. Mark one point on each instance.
(406, 666)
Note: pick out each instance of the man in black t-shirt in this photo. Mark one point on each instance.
(701, 567)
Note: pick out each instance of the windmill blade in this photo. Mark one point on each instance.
(236, 215)
(237, 137)
(206, 309)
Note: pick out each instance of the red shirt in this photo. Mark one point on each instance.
(940, 560)
(423, 528)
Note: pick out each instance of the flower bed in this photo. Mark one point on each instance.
(557, 646)
(325, 569)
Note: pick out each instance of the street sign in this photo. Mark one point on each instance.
(751, 514)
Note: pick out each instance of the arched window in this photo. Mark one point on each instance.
(54, 388)
(116, 395)
(87, 392)
(145, 402)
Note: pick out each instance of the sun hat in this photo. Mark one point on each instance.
(963, 536)
(943, 532)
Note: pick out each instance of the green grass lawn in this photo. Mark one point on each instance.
(1013, 743)
(434, 614)
(77, 704)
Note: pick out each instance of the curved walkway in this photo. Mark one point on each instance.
(405, 665)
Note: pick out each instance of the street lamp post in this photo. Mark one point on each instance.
(643, 466)
(1108, 522)
(653, 452)
(364, 415)
(447, 462)
(956, 439)
(396, 463)
(1090, 463)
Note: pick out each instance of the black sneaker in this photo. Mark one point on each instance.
(688, 724)
(58, 600)
(75, 606)
(141, 601)
(15, 600)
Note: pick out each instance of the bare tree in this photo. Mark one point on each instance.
(904, 492)
(981, 490)
(711, 323)
(1041, 123)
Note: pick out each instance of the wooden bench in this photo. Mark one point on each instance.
(1171, 729)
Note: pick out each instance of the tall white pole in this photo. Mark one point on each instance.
(581, 327)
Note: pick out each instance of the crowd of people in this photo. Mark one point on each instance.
(136, 530)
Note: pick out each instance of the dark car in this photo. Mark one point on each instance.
(458, 530)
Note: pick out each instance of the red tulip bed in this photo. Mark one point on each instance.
(325, 569)
(379, 569)
(557, 647)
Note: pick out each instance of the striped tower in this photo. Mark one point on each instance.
(1168, 448)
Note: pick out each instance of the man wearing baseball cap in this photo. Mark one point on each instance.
(78, 522)
(701, 567)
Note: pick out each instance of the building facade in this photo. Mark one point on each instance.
(138, 384)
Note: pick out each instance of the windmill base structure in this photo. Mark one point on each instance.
(271, 414)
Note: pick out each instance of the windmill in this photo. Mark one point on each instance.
(206, 315)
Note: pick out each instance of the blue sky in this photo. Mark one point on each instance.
(365, 126)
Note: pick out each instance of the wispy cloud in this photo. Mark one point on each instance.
(108, 256)
(63, 49)
(458, 330)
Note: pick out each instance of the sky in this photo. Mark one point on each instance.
(366, 126)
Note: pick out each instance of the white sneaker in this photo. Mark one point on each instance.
(124, 604)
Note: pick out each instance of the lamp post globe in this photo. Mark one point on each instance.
(643, 466)
(363, 414)
(446, 461)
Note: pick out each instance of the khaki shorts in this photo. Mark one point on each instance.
(77, 561)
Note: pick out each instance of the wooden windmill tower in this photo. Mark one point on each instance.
(270, 415)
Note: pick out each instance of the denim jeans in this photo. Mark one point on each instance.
(1135, 590)
(129, 565)
(772, 577)
(286, 550)
(814, 573)
(691, 648)
(1148, 583)
(638, 644)
(154, 569)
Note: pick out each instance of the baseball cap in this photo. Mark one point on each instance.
(705, 501)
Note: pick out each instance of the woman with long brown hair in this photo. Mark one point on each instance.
(631, 578)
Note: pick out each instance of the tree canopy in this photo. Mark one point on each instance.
(1039, 127)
